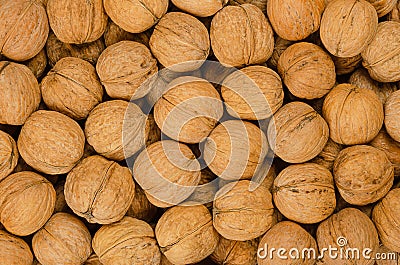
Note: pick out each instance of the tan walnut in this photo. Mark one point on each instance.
(14, 250)
(390, 147)
(231, 252)
(200, 8)
(8, 154)
(392, 108)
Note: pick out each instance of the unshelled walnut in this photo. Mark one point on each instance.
(141, 208)
(38, 63)
(200, 9)
(279, 47)
(383, 7)
(346, 65)
(8, 154)
(392, 122)
(231, 252)
(328, 155)
(261, 4)
(14, 250)
(115, 34)
(390, 147)
(93, 260)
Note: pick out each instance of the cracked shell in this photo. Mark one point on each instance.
(200, 8)
(14, 250)
(392, 110)
(8, 154)
(231, 252)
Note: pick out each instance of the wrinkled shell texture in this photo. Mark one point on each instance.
(38, 63)
(168, 172)
(135, 16)
(383, 7)
(202, 8)
(23, 28)
(354, 115)
(72, 88)
(241, 35)
(63, 240)
(114, 34)
(235, 149)
(328, 155)
(14, 250)
(390, 147)
(382, 56)
(241, 214)
(394, 15)
(348, 26)
(301, 133)
(231, 252)
(392, 112)
(19, 93)
(279, 47)
(295, 19)
(305, 193)
(186, 234)
(386, 216)
(99, 190)
(129, 241)
(287, 235)
(189, 110)
(124, 67)
(206, 190)
(301, 64)
(26, 202)
(8, 154)
(353, 225)
(253, 93)
(141, 208)
(383, 249)
(116, 129)
(51, 142)
(93, 260)
(77, 21)
(346, 65)
(261, 4)
(178, 39)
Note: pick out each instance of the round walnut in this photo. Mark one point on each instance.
(124, 67)
(390, 147)
(354, 115)
(241, 35)
(295, 20)
(301, 64)
(14, 250)
(286, 235)
(72, 88)
(77, 21)
(347, 229)
(56, 50)
(392, 110)
(383, 7)
(23, 29)
(63, 240)
(386, 216)
(348, 26)
(141, 208)
(115, 34)
(382, 56)
(189, 110)
(346, 65)
(129, 241)
(26, 202)
(8, 154)
(38, 63)
(178, 39)
(253, 93)
(186, 234)
(200, 9)
(297, 133)
(136, 16)
(99, 190)
(19, 94)
(235, 150)
(231, 252)
(280, 46)
(305, 193)
(168, 172)
(363, 174)
(241, 214)
(328, 155)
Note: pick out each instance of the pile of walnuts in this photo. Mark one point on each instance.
(157, 132)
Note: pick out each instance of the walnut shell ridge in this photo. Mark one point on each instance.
(8, 154)
(392, 110)
(200, 9)
(14, 250)
(231, 252)
(390, 147)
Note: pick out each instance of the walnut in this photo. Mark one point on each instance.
(38, 63)
(14, 250)
(346, 65)
(391, 148)
(115, 34)
(231, 252)
(392, 108)
(141, 208)
(8, 154)
(328, 155)
(200, 9)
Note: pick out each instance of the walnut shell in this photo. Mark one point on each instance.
(348, 26)
(8, 155)
(186, 234)
(280, 46)
(72, 88)
(386, 216)
(154, 134)
(231, 252)
(261, 4)
(135, 16)
(189, 110)
(51, 142)
(26, 202)
(206, 190)
(141, 208)
(115, 34)
(382, 56)
(300, 64)
(286, 235)
(305, 193)
(129, 241)
(124, 67)
(392, 109)
(178, 39)
(19, 94)
(354, 115)
(297, 133)
(63, 240)
(168, 172)
(295, 20)
(200, 9)
(14, 250)
(93, 260)
(363, 174)
(235, 150)
(390, 147)
(383, 7)
(241, 35)
(394, 15)
(355, 228)
(77, 22)
(38, 63)
(346, 65)
(241, 214)
(23, 29)
(99, 190)
(253, 93)
(61, 205)
(56, 50)
(328, 155)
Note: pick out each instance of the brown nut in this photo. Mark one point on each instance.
(390, 147)
(141, 208)
(346, 65)
(280, 46)
(8, 155)
(231, 252)
(392, 109)
(328, 155)
(261, 4)
(394, 15)
(206, 190)
(93, 260)
(383, 7)
(72, 88)
(38, 63)
(186, 234)
(200, 9)
(115, 34)
(14, 250)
